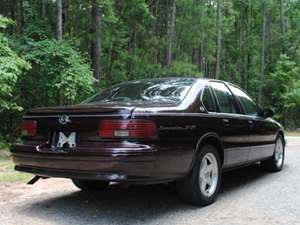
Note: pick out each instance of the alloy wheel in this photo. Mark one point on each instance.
(209, 175)
(279, 152)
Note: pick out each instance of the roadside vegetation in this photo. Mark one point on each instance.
(293, 133)
(7, 172)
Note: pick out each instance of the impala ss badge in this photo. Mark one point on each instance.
(64, 119)
(187, 127)
(63, 139)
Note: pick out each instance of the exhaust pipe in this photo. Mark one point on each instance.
(35, 179)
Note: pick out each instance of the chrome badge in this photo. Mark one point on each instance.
(64, 119)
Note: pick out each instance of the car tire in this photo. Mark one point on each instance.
(201, 186)
(89, 185)
(275, 163)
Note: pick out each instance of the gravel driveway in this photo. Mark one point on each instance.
(248, 196)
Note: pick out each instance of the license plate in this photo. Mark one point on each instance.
(66, 140)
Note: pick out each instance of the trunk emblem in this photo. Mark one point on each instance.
(64, 139)
(64, 119)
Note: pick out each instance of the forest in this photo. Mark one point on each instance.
(56, 52)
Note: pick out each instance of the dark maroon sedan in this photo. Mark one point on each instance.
(184, 131)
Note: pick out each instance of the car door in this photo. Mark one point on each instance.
(235, 128)
(262, 132)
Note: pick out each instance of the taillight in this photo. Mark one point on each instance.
(127, 129)
(29, 128)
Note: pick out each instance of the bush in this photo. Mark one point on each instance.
(59, 75)
(285, 86)
(11, 67)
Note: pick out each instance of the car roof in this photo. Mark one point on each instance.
(205, 79)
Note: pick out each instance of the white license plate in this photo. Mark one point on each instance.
(65, 140)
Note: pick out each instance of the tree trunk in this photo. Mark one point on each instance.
(59, 25)
(282, 25)
(43, 9)
(22, 23)
(171, 33)
(96, 40)
(65, 15)
(131, 49)
(201, 44)
(112, 55)
(262, 63)
(12, 9)
(218, 51)
(200, 59)
(154, 12)
(249, 52)
(240, 62)
(12, 14)
(269, 49)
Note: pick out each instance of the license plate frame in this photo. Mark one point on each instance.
(63, 140)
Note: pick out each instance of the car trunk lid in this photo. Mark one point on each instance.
(81, 110)
(82, 119)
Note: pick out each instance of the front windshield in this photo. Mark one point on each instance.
(171, 90)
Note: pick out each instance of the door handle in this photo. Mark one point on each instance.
(251, 123)
(226, 122)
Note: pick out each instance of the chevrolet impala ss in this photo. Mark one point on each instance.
(183, 131)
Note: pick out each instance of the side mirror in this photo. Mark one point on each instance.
(268, 113)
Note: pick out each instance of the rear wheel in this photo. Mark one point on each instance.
(275, 163)
(202, 185)
(88, 185)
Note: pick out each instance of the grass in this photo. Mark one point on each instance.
(293, 133)
(7, 172)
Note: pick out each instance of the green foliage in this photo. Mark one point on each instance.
(292, 98)
(59, 74)
(3, 144)
(285, 85)
(180, 68)
(4, 22)
(11, 66)
(106, 7)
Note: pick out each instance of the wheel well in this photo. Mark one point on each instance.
(212, 140)
(282, 134)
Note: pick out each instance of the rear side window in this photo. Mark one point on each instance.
(247, 103)
(225, 99)
(207, 100)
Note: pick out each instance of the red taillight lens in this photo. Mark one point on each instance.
(127, 129)
(29, 128)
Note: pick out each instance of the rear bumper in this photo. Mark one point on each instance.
(150, 166)
(75, 174)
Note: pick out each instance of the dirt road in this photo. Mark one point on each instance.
(248, 196)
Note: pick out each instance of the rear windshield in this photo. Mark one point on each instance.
(141, 91)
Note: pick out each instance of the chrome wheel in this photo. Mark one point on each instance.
(279, 152)
(209, 174)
